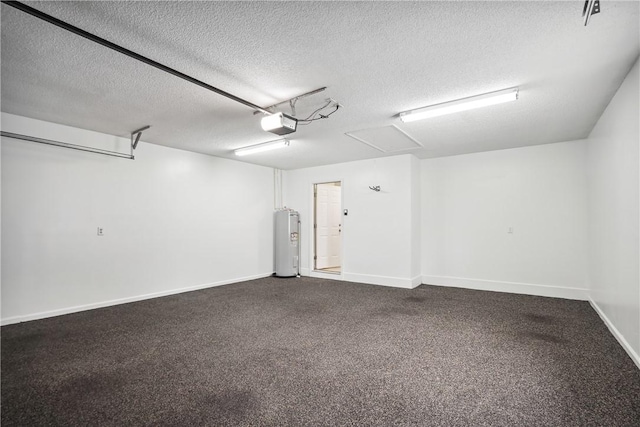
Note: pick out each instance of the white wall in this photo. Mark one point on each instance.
(173, 220)
(377, 234)
(469, 202)
(614, 263)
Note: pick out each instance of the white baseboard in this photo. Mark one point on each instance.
(416, 281)
(511, 287)
(75, 309)
(395, 282)
(323, 275)
(623, 342)
(370, 279)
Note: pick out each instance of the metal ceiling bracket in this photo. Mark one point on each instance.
(591, 7)
(137, 134)
(292, 104)
(291, 101)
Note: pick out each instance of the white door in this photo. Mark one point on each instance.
(328, 226)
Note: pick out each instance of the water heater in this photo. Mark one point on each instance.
(287, 243)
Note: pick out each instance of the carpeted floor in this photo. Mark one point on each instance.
(321, 352)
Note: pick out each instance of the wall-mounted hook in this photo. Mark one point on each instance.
(376, 188)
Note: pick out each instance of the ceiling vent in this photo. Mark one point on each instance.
(388, 139)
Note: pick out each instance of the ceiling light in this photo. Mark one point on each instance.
(272, 145)
(472, 102)
(279, 123)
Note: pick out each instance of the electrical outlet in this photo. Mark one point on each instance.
(100, 231)
(510, 230)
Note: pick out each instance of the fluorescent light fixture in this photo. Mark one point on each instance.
(271, 145)
(279, 123)
(470, 103)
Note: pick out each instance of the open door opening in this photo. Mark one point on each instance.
(327, 225)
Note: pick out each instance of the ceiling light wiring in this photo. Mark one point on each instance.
(322, 116)
(316, 115)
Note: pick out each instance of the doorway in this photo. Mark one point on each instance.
(327, 227)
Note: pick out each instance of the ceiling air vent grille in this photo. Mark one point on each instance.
(388, 139)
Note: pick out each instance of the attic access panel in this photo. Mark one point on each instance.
(388, 139)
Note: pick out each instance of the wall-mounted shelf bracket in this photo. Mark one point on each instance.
(135, 137)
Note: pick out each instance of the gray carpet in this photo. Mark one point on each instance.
(321, 352)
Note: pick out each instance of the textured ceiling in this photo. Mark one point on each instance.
(376, 58)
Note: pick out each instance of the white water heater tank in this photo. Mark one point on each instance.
(287, 242)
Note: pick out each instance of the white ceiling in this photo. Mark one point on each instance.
(376, 58)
